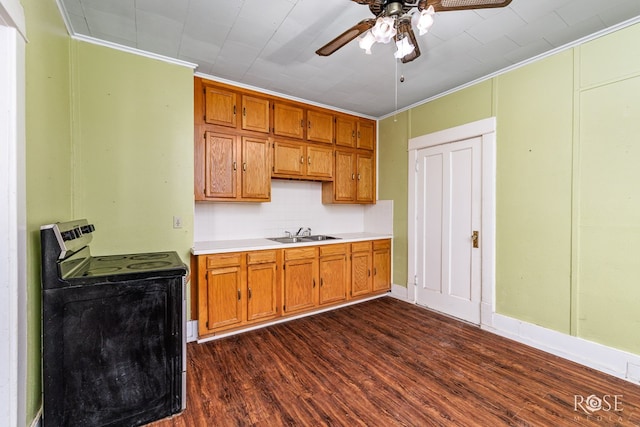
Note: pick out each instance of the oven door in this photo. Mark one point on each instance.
(112, 352)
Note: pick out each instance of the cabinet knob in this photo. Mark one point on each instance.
(244, 166)
(301, 123)
(249, 293)
(353, 176)
(321, 282)
(309, 124)
(235, 166)
(358, 177)
(239, 295)
(301, 159)
(309, 159)
(314, 282)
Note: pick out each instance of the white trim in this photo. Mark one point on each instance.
(486, 130)
(526, 62)
(13, 271)
(12, 15)
(280, 95)
(400, 292)
(605, 359)
(288, 319)
(133, 50)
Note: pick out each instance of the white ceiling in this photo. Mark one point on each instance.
(271, 44)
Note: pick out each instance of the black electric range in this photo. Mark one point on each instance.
(113, 332)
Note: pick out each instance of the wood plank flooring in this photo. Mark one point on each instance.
(389, 363)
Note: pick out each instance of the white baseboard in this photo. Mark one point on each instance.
(609, 360)
(400, 292)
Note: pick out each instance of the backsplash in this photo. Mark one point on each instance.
(294, 204)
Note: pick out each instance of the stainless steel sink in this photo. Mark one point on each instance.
(294, 239)
(319, 237)
(302, 239)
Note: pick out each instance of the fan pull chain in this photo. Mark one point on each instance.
(395, 114)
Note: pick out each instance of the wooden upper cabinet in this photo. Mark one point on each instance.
(319, 162)
(256, 176)
(220, 164)
(288, 120)
(345, 176)
(219, 106)
(288, 158)
(320, 126)
(366, 134)
(364, 178)
(235, 168)
(255, 114)
(346, 130)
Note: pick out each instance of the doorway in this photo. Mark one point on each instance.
(452, 221)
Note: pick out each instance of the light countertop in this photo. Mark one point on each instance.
(222, 246)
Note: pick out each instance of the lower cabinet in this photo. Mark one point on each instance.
(239, 289)
(333, 274)
(236, 289)
(300, 279)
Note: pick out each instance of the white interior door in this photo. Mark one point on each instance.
(448, 212)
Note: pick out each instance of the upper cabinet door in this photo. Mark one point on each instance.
(255, 114)
(319, 162)
(288, 120)
(364, 178)
(345, 177)
(256, 176)
(320, 126)
(219, 107)
(345, 131)
(220, 165)
(366, 134)
(288, 158)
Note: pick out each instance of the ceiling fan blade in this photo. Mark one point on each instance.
(447, 5)
(404, 29)
(346, 37)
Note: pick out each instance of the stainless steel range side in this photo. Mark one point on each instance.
(113, 332)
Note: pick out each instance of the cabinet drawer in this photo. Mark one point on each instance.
(333, 250)
(361, 247)
(261, 257)
(224, 260)
(300, 253)
(381, 244)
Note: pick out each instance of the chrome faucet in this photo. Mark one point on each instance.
(305, 231)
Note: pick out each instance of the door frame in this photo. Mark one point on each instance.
(486, 130)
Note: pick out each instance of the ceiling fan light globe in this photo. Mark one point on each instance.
(384, 30)
(404, 48)
(366, 41)
(423, 20)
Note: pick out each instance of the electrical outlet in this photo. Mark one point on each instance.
(177, 222)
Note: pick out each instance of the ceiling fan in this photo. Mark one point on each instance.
(394, 19)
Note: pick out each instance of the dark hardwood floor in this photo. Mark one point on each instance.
(389, 363)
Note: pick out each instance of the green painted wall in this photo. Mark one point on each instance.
(568, 214)
(133, 150)
(110, 138)
(534, 107)
(48, 158)
(392, 185)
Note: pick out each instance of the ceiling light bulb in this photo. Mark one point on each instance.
(366, 41)
(423, 20)
(384, 30)
(404, 48)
